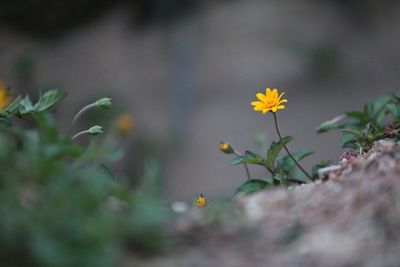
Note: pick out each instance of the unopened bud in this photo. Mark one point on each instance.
(95, 130)
(201, 201)
(226, 148)
(104, 102)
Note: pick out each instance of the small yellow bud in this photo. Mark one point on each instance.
(5, 98)
(226, 148)
(124, 123)
(201, 201)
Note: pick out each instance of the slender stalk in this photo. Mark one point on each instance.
(244, 164)
(79, 134)
(247, 172)
(83, 110)
(287, 150)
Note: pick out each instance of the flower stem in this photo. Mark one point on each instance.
(285, 147)
(79, 134)
(83, 110)
(245, 166)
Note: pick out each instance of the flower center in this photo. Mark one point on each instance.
(270, 103)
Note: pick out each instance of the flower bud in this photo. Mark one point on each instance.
(124, 123)
(5, 98)
(226, 148)
(95, 130)
(104, 102)
(201, 201)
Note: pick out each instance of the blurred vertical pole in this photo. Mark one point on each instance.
(182, 39)
(24, 71)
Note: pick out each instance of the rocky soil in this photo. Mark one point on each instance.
(352, 218)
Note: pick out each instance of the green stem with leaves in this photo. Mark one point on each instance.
(244, 164)
(286, 149)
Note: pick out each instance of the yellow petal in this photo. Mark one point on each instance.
(268, 92)
(257, 103)
(282, 101)
(258, 108)
(274, 94)
(261, 97)
(281, 95)
(281, 107)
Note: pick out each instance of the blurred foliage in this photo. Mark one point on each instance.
(23, 67)
(326, 61)
(378, 119)
(60, 203)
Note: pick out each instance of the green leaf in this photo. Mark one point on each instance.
(379, 120)
(360, 116)
(347, 139)
(251, 186)
(394, 109)
(353, 131)
(275, 149)
(13, 107)
(329, 125)
(286, 163)
(4, 120)
(248, 157)
(279, 176)
(378, 105)
(25, 105)
(397, 96)
(49, 99)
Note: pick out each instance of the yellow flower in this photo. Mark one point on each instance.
(201, 201)
(271, 101)
(5, 98)
(124, 123)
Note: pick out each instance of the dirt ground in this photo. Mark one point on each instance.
(352, 218)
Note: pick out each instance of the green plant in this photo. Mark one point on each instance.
(378, 119)
(60, 203)
(283, 170)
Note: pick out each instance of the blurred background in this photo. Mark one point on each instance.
(187, 71)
